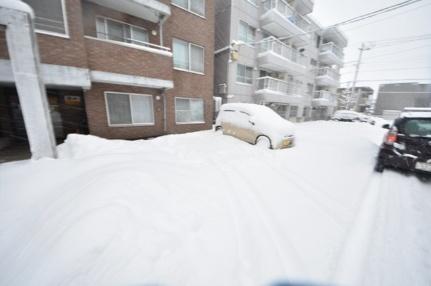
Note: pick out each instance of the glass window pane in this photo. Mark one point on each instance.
(197, 110)
(142, 109)
(198, 6)
(118, 108)
(115, 31)
(139, 36)
(181, 3)
(197, 58)
(49, 15)
(181, 54)
(101, 28)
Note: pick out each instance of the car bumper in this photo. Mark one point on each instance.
(392, 158)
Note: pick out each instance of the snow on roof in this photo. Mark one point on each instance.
(17, 5)
(416, 114)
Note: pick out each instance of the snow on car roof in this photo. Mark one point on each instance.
(416, 114)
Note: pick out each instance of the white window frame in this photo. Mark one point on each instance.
(188, 9)
(130, 26)
(248, 43)
(190, 57)
(131, 113)
(66, 25)
(189, 122)
(236, 75)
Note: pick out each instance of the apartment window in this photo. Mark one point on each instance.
(50, 15)
(194, 6)
(293, 111)
(188, 56)
(189, 110)
(121, 32)
(244, 74)
(129, 109)
(246, 32)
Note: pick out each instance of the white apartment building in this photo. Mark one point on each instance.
(270, 52)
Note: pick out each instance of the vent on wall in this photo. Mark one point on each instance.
(222, 88)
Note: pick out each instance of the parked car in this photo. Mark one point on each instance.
(346, 115)
(255, 124)
(407, 145)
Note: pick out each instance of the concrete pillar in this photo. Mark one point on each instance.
(24, 55)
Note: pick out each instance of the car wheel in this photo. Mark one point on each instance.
(263, 142)
(379, 167)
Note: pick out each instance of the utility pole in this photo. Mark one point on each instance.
(358, 65)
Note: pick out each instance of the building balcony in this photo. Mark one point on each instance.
(128, 63)
(304, 7)
(281, 20)
(151, 10)
(330, 54)
(324, 98)
(277, 56)
(270, 89)
(336, 36)
(327, 77)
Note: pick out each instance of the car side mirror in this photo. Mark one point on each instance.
(386, 126)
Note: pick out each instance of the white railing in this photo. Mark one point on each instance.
(332, 48)
(325, 95)
(278, 85)
(287, 11)
(275, 45)
(328, 72)
(105, 36)
(273, 84)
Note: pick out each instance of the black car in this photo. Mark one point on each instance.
(407, 145)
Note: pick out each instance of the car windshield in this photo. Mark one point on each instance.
(418, 127)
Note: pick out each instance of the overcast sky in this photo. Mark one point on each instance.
(408, 60)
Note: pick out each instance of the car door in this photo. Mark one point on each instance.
(237, 123)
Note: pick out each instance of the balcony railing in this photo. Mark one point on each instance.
(275, 45)
(278, 85)
(272, 84)
(331, 47)
(115, 38)
(287, 11)
(324, 97)
(328, 72)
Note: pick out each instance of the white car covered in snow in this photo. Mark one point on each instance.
(255, 124)
(346, 115)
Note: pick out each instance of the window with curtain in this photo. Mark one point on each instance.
(246, 32)
(121, 32)
(129, 109)
(195, 6)
(189, 110)
(188, 56)
(49, 15)
(244, 74)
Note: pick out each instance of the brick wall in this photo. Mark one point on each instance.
(98, 121)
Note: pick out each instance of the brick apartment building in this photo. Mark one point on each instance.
(119, 69)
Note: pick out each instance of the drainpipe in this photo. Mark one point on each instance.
(162, 21)
(18, 18)
(165, 122)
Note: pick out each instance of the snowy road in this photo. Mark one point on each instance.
(207, 209)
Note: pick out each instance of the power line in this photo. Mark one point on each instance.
(386, 18)
(351, 20)
(393, 69)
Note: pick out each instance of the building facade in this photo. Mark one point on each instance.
(394, 97)
(270, 52)
(119, 69)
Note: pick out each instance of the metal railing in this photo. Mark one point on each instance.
(287, 11)
(326, 71)
(325, 95)
(332, 48)
(278, 85)
(105, 36)
(273, 44)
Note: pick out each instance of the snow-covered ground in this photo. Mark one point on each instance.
(207, 209)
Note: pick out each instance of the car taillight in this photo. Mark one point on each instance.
(391, 137)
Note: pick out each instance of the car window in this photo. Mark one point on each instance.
(417, 127)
